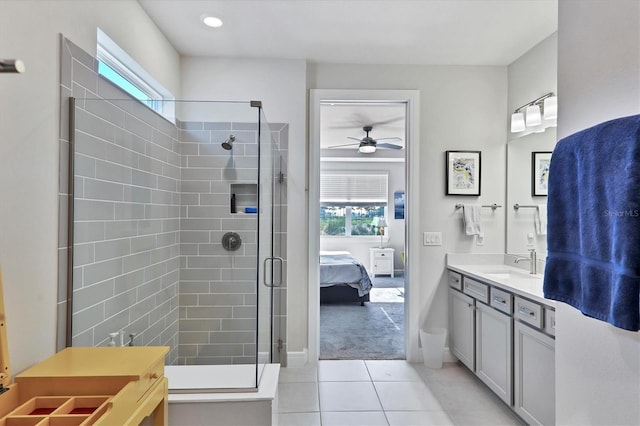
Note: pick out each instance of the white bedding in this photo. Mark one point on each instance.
(340, 268)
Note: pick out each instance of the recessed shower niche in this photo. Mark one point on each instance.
(246, 197)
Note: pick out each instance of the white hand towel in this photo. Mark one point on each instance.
(471, 217)
(540, 219)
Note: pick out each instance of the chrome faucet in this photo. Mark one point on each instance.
(532, 259)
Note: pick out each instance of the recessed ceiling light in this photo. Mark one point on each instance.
(211, 21)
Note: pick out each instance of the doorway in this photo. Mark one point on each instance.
(362, 172)
(347, 118)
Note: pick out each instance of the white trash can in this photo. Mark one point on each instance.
(432, 341)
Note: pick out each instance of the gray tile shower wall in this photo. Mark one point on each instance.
(152, 205)
(127, 217)
(218, 320)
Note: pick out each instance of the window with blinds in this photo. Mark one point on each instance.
(349, 203)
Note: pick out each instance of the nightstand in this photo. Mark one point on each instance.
(381, 261)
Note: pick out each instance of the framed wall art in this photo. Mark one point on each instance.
(540, 161)
(463, 172)
(398, 205)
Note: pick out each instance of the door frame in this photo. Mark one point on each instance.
(412, 205)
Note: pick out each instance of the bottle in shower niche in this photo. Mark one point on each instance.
(233, 203)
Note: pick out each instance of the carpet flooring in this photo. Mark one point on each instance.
(387, 282)
(351, 331)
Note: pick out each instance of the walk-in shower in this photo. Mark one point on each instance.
(155, 250)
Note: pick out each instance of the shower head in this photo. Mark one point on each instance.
(228, 144)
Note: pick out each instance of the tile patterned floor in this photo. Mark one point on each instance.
(390, 393)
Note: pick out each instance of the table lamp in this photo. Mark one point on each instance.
(381, 223)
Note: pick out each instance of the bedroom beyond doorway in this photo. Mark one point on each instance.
(369, 332)
(362, 230)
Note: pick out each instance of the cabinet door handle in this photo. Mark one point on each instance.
(526, 311)
(499, 300)
(456, 280)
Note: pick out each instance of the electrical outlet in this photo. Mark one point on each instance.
(432, 238)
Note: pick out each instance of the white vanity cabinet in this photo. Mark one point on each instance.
(507, 340)
(462, 330)
(481, 336)
(534, 373)
(494, 331)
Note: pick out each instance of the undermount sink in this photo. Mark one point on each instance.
(510, 274)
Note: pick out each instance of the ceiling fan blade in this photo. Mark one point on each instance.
(388, 121)
(359, 120)
(388, 139)
(340, 146)
(389, 146)
(355, 139)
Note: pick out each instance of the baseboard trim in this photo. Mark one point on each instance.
(297, 359)
(448, 356)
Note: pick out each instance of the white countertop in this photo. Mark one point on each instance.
(495, 270)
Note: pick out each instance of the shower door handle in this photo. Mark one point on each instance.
(264, 271)
(280, 263)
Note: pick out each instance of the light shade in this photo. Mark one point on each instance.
(533, 117)
(551, 108)
(517, 122)
(379, 221)
(367, 149)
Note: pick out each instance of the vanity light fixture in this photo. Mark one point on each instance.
(533, 116)
(536, 116)
(211, 21)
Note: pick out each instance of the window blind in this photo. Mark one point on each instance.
(354, 189)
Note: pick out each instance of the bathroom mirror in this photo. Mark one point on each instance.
(521, 230)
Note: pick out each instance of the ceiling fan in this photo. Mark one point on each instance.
(368, 145)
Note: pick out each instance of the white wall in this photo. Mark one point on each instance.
(532, 75)
(280, 85)
(394, 237)
(461, 108)
(29, 125)
(597, 365)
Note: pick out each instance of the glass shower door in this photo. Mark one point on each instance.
(270, 266)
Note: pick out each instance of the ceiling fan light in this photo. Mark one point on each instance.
(366, 149)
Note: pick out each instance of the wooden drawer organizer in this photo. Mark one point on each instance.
(58, 411)
(85, 386)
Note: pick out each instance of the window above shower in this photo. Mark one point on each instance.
(117, 66)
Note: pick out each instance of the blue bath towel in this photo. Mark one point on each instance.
(593, 228)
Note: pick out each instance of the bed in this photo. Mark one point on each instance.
(343, 278)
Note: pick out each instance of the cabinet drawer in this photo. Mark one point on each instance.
(382, 255)
(529, 312)
(501, 300)
(550, 321)
(476, 289)
(455, 280)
